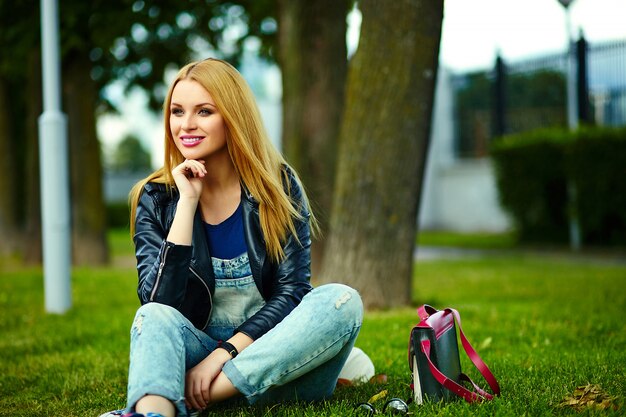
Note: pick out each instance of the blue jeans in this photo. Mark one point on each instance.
(299, 359)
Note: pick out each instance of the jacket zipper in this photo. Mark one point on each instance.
(158, 277)
(208, 292)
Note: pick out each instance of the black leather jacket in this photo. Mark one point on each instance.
(182, 276)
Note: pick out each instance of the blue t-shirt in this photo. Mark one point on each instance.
(226, 240)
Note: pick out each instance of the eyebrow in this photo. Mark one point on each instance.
(197, 105)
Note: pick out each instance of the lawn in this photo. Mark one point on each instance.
(486, 240)
(544, 326)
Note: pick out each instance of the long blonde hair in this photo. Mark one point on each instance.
(258, 163)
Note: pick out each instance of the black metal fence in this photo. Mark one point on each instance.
(521, 96)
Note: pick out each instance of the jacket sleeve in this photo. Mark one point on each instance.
(162, 266)
(290, 280)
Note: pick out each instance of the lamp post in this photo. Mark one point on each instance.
(55, 207)
(572, 123)
(572, 114)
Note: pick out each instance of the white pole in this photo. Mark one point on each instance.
(572, 123)
(55, 202)
(572, 93)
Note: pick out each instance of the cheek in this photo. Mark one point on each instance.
(215, 127)
(174, 125)
(220, 127)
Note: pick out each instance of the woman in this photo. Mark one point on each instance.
(222, 239)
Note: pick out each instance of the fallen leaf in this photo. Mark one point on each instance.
(485, 343)
(589, 396)
(377, 397)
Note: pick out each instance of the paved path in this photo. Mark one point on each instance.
(429, 253)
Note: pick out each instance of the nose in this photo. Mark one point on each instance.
(189, 123)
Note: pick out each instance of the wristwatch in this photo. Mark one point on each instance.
(228, 347)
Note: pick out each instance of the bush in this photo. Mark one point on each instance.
(118, 215)
(596, 165)
(534, 170)
(532, 185)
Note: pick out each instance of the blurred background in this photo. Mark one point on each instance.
(504, 69)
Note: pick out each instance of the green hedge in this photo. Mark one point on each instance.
(118, 215)
(545, 175)
(596, 163)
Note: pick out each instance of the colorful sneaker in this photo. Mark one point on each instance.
(120, 413)
(114, 413)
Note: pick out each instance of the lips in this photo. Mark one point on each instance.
(191, 141)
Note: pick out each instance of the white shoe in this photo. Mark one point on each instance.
(358, 369)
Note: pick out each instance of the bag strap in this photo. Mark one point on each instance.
(476, 360)
(480, 391)
(451, 385)
(425, 311)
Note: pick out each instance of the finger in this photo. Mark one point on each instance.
(194, 172)
(206, 384)
(196, 168)
(192, 397)
(198, 395)
(201, 166)
(194, 404)
(188, 170)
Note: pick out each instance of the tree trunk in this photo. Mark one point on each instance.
(383, 147)
(313, 60)
(87, 203)
(9, 220)
(32, 240)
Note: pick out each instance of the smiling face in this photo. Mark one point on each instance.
(196, 126)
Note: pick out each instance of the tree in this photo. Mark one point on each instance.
(8, 178)
(100, 41)
(21, 94)
(136, 42)
(130, 156)
(313, 58)
(382, 151)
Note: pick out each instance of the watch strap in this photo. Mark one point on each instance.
(228, 347)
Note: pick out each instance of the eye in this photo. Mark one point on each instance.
(177, 111)
(205, 112)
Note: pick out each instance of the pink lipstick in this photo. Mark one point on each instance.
(190, 141)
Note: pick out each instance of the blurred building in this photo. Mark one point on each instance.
(459, 192)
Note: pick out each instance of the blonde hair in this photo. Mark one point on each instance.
(258, 163)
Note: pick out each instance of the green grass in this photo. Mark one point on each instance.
(120, 242)
(544, 326)
(505, 240)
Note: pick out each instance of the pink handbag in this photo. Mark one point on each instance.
(434, 359)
